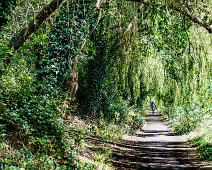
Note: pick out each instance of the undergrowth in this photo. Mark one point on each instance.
(71, 151)
(196, 123)
(40, 132)
(201, 137)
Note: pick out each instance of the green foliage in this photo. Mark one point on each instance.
(5, 9)
(184, 119)
(197, 123)
(135, 119)
(201, 137)
(64, 43)
(29, 113)
(96, 92)
(87, 166)
(124, 54)
(204, 147)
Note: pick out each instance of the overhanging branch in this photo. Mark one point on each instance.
(195, 19)
(184, 11)
(25, 33)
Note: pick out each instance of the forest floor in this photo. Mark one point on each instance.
(155, 147)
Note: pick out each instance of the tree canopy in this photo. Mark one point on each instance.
(103, 62)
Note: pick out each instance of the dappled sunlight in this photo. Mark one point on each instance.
(78, 77)
(156, 147)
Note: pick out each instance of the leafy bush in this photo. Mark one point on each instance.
(135, 118)
(183, 119)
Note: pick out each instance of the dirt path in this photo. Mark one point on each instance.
(156, 147)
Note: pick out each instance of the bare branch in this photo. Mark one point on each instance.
(99, 3)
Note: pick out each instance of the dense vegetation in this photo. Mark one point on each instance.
(99, 65)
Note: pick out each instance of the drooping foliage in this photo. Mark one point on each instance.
(107, 61)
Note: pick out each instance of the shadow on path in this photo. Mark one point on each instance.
(154, 148)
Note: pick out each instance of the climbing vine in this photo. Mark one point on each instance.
(104, 61)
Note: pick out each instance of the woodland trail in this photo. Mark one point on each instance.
(156, 147)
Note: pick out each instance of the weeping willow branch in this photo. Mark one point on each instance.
(18, 40)
(195, 19)
(184, 11)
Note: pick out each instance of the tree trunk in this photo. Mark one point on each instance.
(74, 77)
(25, 33)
